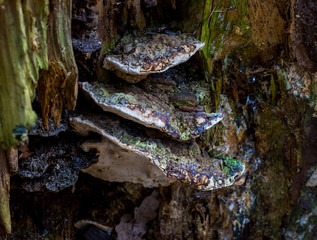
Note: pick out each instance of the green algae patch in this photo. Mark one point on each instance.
(23, 53)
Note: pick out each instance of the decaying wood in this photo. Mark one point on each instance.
(135, 6)
(115, 15)
(23, 52)
(30, 42)
(302, 31)
(58, 85)
(5, 218)
(12, 159)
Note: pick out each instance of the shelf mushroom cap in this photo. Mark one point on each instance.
(146, 54)
(178, 161)
(151, 110)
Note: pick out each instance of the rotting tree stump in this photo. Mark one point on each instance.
(259, 66)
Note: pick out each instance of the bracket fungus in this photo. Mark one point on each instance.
(171, 101)
(179, 161)
(140, 55)
(152, 110)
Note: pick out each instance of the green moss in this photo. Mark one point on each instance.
(219, 23)
(225, 27)
(23, 53)
(153, 148)
(230, 165)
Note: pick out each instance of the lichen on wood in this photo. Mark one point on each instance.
(23, 53)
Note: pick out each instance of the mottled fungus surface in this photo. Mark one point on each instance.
(181, 161)
(138, 56)
(176, 114)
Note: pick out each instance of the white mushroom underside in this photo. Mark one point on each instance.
(116, 164)
(126, 156)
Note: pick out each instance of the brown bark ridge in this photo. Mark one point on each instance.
(5, 218)
(58, 84)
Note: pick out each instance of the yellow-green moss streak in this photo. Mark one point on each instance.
(225, 26)
(231, 26)
(23, 53)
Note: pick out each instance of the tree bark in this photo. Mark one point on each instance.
(31, 41)
(259, 67)
(5, 217)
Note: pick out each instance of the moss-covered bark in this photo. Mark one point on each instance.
(248, 60)
(23, 53)
(261, 71)
(252, 30)
(30, 40)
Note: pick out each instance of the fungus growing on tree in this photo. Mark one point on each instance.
(135, 57)
(179, 161)
(160, 111)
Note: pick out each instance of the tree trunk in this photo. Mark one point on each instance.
(258, 68)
